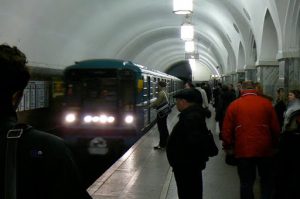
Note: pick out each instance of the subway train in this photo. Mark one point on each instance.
(107, 100)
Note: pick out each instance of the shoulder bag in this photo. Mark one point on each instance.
(12, 136)
(212, 149)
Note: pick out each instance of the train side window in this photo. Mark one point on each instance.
(155, 88)
(152, 87)
(145, 89)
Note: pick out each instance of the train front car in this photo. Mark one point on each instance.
(99, 105)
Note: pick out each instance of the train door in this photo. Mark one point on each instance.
(127, 91)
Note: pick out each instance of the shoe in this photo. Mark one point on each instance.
(159, 148)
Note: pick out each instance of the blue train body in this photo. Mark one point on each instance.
(109, 98)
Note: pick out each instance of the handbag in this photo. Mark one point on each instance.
(212, 149)
(164, 109)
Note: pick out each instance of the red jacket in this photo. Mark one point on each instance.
(250, 126)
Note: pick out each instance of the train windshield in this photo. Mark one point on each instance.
(104, 89)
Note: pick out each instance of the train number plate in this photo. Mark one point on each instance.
(98, 146)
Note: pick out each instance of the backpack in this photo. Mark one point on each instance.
(13, 135)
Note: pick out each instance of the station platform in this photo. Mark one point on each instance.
(144, 173)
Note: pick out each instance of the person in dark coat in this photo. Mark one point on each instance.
(280, 105)
(226, 96)
(184, 151)
(45, 168)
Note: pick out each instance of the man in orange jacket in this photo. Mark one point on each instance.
(251, 130)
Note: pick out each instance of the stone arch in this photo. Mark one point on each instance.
(298, 30)
(269, 44)
(241, 58)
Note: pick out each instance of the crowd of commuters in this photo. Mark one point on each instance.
(263, 137)
(251, 129)
(288, 158)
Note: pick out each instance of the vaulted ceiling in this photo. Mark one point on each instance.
(231, 35)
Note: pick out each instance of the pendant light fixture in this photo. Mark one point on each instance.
(183, 7)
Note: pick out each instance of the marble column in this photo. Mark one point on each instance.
(240, 77)
(250, 74)
(267, 75)
(289, 73)
(228, 79)
(223, 79)
(234, 78)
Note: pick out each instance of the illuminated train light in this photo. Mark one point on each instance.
(70, 118)
(96, 119)
(103, 119)
(129, 119)
(88, 119)
(110, 119)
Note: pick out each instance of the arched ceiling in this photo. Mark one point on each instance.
(55, 33)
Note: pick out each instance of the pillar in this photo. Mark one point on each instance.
(267, 75)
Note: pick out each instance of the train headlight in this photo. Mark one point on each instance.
(70, 117)
(96, 119)
(110, 119)
(103, 119)
(88, 119)
(129, 119)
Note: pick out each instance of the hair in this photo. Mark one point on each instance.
(14, 73)
(162, 84)
(296, 92)
(259, 88)
(248, 85)
(280, 95)
(190, 84)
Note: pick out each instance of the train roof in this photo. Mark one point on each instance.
(114, 63)
(103, 63)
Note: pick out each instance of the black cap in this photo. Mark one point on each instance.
(190, 95)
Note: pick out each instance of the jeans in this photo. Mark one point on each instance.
(247, 174)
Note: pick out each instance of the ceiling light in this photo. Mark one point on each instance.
(187, 31)
(189, 46)
(183, 7)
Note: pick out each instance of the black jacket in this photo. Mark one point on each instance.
(46, 169)
(184, 148)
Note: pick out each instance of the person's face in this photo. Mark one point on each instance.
(291, 96)
(16, 99)
(159, 87)
(179, 104)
